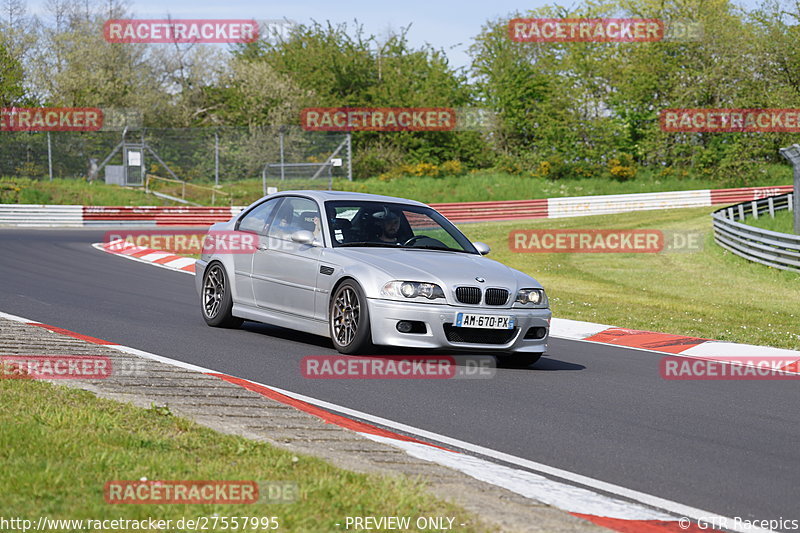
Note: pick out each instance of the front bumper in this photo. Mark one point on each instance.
(384, 315)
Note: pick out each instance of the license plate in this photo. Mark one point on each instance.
(470, 320)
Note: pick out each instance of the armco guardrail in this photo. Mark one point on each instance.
(42, 216)
(75, 215)
(156, 216)
(771, 248)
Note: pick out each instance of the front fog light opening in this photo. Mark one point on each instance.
(411, 326)
(536, 333)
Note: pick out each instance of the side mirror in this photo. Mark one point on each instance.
(482, 247)
(303, 236)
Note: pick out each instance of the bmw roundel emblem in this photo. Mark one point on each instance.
(479, 279)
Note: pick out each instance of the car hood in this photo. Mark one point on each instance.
(442, 267)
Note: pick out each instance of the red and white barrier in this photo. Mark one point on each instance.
(23, 215)
(577, 206)
(156, 216)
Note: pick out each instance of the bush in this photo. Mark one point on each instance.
(429, 170)
(557, 168)
(622, 168)
(375, 159)
(452, 168)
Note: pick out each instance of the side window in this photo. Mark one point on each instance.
(296, 214)
(256, 220)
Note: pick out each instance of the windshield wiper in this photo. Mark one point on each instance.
(442, 248)
(365, 243)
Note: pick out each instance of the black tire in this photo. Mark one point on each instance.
(216, 302)
(519, 360)
(348, 319)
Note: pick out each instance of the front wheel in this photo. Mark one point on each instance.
(216, 299)
(519, 360)
(349, 319)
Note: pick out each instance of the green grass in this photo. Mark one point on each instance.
(783, 222)
(484, 185)
(711, 293)
(59, 446)
(71, 192)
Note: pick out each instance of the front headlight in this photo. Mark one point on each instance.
(531, 296)
(412, 289)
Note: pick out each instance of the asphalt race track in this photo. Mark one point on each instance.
(602, 411)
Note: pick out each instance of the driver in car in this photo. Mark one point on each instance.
(389, 224)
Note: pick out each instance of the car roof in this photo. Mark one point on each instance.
(323, 196)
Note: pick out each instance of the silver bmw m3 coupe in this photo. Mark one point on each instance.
(369, 270)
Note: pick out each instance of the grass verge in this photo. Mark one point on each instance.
(59, 446)
(710, 293)
(783, 222)
(71, 192)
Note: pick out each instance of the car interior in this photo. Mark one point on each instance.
(366, 227)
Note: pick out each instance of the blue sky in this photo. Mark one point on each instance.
(448, 24)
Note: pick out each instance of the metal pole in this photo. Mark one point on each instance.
(796, 199)
(49, 156)
(350, 156)
(792, 153)
(282, 169)
(144, 166)
(264, 180)
(216, 159)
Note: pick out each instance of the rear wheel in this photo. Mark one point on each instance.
(349, 319)
(216, 300)
(519, 360)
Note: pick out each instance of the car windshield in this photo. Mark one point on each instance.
(387, 224)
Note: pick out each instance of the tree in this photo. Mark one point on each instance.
(343, 68)
(11, 90)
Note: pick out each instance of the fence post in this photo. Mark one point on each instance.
(349, 156)
(280, 133)
(754, 207)
(771, 204)
(216, 159)
(792, 153)
(49, 157)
